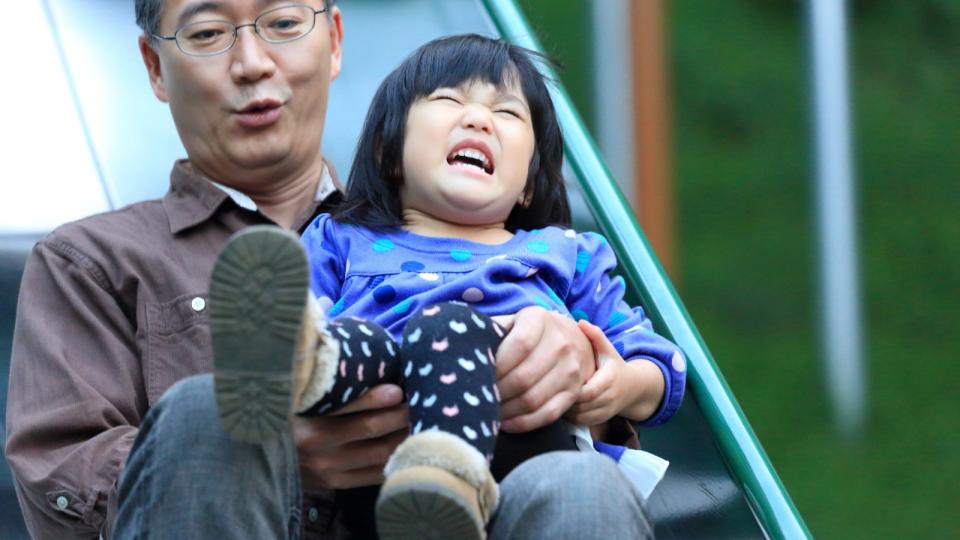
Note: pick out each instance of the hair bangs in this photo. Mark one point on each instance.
(453, 63)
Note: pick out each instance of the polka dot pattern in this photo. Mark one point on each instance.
(412, 266)
(383, 245)
(553, 296)
(337, 308)
(615, 318)
(403, 307)
(460, 255)
(384, 294)
(678, 363)
(583, 261)
(473, 294)
(540, 301)
(325, 303)
(538, 246)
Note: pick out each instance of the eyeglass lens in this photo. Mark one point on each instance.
(275, 26)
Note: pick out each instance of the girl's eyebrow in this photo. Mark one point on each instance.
(503, 97)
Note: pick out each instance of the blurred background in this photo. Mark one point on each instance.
(707, 115)
(733, 214)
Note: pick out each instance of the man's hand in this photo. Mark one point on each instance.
(350, 447)
(603, 396)
(630, 389)
(541, 366)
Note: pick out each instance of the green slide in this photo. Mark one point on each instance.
(719, 484)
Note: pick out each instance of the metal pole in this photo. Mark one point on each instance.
(836, 216)
(612, 89)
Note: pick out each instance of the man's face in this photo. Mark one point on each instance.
(256, 107)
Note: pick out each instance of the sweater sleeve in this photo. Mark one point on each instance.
(327, 267)
(597, 296)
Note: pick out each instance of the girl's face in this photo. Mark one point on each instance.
(466, 153)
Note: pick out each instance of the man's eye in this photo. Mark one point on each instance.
(285, 24)
(204, 35)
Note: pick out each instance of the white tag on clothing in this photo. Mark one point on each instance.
(643, 469)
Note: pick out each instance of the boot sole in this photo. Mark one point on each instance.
(258, 293)
(425, 511)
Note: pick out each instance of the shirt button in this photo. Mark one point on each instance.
(62, 502)
(313, 514)
(198, 304)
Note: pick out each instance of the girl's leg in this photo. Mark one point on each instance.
(449, 374)
(438, 481)
(368, 356)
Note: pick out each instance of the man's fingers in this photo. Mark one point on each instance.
(505, 321)
(349, 465)
(369, 476)
(552, 390)
(535, 383)
(332, 431)
(521, 341)
(547, 414)
(378, 397)
(524, 378)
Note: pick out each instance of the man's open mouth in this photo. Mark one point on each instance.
(259, 106)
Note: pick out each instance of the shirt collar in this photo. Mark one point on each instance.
(324, 188)
(193, 198)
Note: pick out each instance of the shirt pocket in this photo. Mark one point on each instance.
(177, 342)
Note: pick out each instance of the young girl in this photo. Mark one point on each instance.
(455, 212)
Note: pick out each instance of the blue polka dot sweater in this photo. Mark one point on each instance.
(386, 276)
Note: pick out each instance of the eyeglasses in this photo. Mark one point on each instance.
(281, 25)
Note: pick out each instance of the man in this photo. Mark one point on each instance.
(111, 421)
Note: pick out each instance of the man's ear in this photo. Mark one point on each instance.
(336, 41)
(151, 60)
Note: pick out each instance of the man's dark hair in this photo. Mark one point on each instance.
(373, 190)
(149, 13)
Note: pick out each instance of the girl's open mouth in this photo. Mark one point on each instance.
(472, 154)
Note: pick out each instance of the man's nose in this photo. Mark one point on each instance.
(250, 61)
(477, 117)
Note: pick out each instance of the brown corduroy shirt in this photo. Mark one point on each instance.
(111, 313)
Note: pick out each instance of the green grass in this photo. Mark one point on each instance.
(749, 260)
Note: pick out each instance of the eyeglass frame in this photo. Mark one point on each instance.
(237, 27)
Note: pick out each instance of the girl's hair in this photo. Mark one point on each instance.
(373, 190)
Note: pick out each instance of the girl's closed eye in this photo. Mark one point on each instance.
(446, 97)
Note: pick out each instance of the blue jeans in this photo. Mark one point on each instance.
(185, 478)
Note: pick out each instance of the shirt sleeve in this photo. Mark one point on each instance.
(597, 296)
(71, 416)
(327, 267)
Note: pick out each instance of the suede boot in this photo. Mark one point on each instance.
(270, 346)
(437, 486)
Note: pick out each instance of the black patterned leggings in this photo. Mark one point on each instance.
(445, 365)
